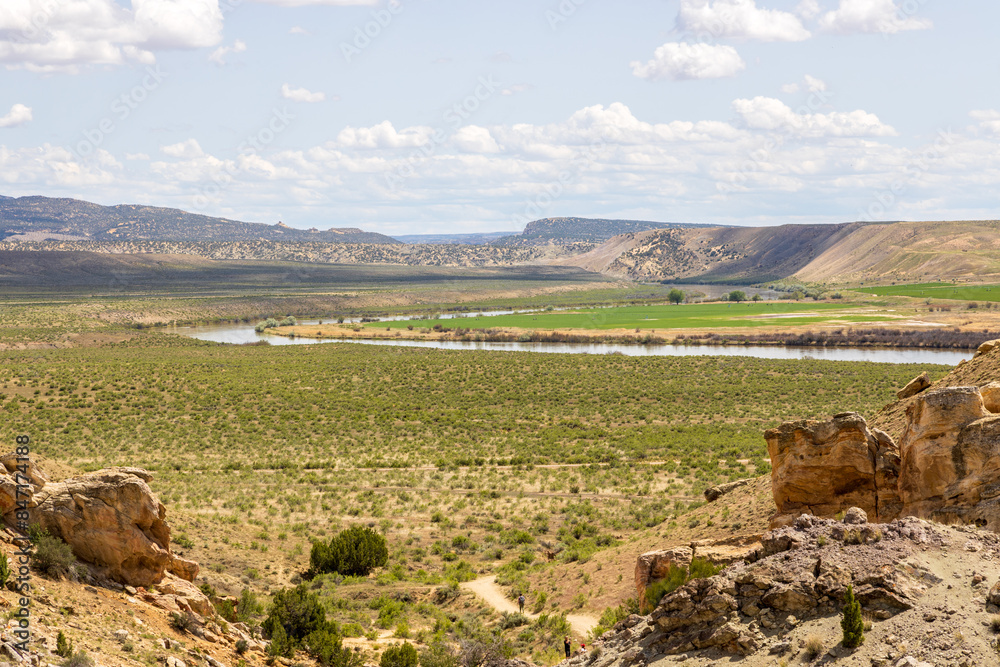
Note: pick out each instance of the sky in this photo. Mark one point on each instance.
(462, 116)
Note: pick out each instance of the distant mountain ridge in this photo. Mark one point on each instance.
(35, 215)
(457, 239)
(569, 230)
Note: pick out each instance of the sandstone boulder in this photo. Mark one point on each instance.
(32, 477)
(987, 347)
(991, 396)
(185, 594)
(713, 493)
(950, 450)
(111, 519)
(654, 565)
(823, 467)
(915, 386)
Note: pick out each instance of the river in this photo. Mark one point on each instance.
(244, 333)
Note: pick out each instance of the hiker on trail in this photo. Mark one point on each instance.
(520, 602)
(583, 648)
(567, 646)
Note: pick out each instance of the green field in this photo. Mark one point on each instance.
(938, 291)
(651, 317)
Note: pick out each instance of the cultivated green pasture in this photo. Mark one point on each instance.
(938, 291)
(648, 317)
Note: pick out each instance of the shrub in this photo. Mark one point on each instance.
(79, 659)
(403, 655)
(4, 570)
(242, 646)
(53, 556)
(64, 647)
(851, 622)
(438, 654)
(353, 552)
(995, 624)
(181, 622)
(248, 607)
(814, 646)
(295, 613)
(328, 650)
(700, 568)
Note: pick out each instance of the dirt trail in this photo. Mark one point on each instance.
(491, 592)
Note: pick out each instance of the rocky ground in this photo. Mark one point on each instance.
(928, 594)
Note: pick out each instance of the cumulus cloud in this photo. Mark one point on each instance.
(219, 55)
(383, 135)
(475, 139)
(680, 60)
(989, 119)
(298, 30)
(808, 9)
(186, 149)
(767, 113)
(853, 16)
(46, 36)
(301, 94)
(739, 19)
(323, 3)
(19, 115)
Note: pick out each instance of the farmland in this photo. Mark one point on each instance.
(661, 316)
(956, 292)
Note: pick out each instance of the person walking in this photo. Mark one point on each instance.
(567, 645)
(520, 602)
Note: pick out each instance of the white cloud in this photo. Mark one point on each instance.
(19, 115)
(720, 19)
(814, 85)
(882, 16)
(517, 88)
(298, 30)
(383, 135)
(790, 88)
(808, 9)
(767, 113)
(475, 139)
(989, 119)
(219, 55)
(301, 94)
(53, 35)
(680, 60)
(186, 149)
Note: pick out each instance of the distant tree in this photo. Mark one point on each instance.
(675, 296)
(756, 297)
(403, 655)
(355, 551)
(737, 296)
(851, 622)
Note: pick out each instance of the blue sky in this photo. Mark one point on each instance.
(437, 116)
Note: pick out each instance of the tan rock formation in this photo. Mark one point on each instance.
(950, 451)
(111, 519)
(824, 467)
(987, 347)
(915, 386)
(654, 565)
(33, 477)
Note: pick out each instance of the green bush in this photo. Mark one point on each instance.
(64, 647)
(295, 613)
(353, 552)
(326, 647)
(53, 556)
(248, 608)
(79, 659)
(851, 622)
(403, 655)
(677, 577)
(438, 654)
(4, 570)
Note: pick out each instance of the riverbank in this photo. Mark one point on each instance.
(868, 337)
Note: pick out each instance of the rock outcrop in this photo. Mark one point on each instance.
(824, 467)
(950, 469)
(110, 518)
(654, 565)
(915, 386)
